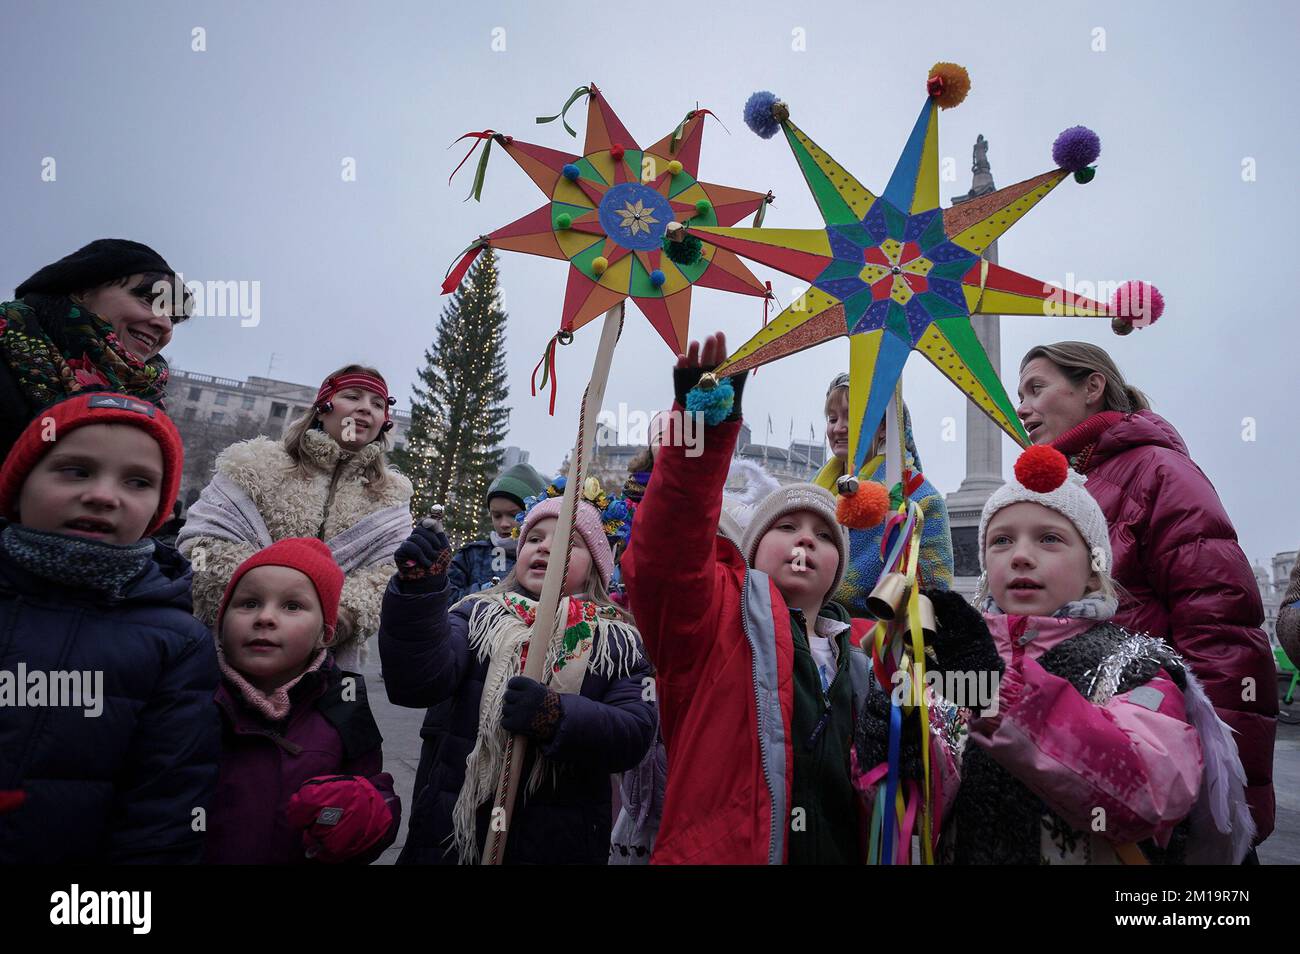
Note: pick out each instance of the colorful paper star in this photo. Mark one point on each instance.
(895, 273)
(608, 213)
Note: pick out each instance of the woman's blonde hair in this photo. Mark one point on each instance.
(1078, 359)
(839, 381)
(376, 472)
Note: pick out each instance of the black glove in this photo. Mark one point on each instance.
(530, 709)
(422, 559)
(686, 378)
(871, 735)
(962, 642)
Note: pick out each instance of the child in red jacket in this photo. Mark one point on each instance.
(758, 680)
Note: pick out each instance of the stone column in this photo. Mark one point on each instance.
(983, 437)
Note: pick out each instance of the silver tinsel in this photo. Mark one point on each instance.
(1133, 648)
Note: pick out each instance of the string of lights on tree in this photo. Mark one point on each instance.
(458, 418)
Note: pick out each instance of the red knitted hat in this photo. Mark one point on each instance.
(307, 555)
(93, 407)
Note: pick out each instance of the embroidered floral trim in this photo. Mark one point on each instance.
(579, 628)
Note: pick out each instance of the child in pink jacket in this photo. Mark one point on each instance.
(1100, 746)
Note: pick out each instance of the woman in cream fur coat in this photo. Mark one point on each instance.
(327, 478)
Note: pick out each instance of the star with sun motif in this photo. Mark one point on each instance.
(609, 213)
(637, 218)
(896, 273)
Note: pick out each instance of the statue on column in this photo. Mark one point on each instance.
(980, 163)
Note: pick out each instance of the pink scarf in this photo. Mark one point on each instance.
(275, 705)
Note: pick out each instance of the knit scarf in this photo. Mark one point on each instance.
(1090, 606)
(56, 349)
(593, 639)
(67, 560)
(274, 705)
(1078, 442)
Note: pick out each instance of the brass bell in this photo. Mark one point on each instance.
(887, 598)
(925, 609)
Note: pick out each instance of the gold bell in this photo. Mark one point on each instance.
(925, 609)
(887, 598)
(708, 381)
(846, 484)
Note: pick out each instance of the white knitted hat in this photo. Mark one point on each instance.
(738, 505)
(1039, 468)
(788, 499)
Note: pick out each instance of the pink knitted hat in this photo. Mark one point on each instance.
(586, 520)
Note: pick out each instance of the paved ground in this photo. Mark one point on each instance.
(1283, 846)
(401, 729)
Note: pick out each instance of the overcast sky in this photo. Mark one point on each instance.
(228, 161)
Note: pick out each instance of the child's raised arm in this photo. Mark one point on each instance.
(423, 650)
(670, 564)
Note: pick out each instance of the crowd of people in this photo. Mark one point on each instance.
(709, 696)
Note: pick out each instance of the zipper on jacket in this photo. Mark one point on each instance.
(293, 748)
(329, 497)
(758, 711)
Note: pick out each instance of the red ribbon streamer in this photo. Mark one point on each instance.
(453, 279)
(547, 367)
(478, 137)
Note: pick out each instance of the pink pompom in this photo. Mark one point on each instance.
(1139, 302)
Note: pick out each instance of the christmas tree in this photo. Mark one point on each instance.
(458, 418)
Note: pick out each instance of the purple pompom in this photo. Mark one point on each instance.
(1076, 148)
(758, 114)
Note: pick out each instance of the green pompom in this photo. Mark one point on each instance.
(685, 252)
(563, 220)
(704, 207)
(1085, 174)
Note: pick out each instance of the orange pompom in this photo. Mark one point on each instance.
(948, 84)
(1042, 469)
(864, 509)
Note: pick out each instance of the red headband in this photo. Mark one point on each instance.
(356, 379)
